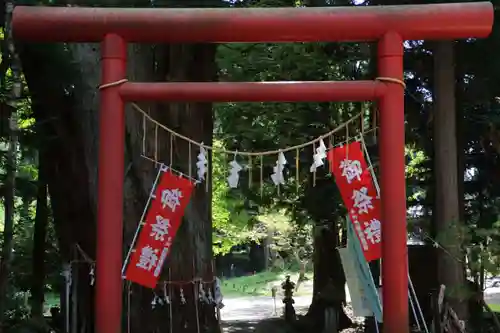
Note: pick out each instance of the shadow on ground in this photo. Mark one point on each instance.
(271, 325)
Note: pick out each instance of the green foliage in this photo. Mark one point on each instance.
(231, 221)
(286, 237)
(20, 275)
(269, 126)
(23, 251)
(235, 223)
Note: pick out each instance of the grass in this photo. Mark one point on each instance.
(259, 284)
(494, 307)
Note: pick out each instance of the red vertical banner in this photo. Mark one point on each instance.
(159, 229)
(359, 194)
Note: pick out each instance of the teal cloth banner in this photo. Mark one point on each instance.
(364, 273)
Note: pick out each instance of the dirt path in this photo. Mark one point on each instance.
(257, 314)
(257, 307)
(260, 314)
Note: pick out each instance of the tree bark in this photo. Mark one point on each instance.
(191, 256)
(39, 242)
(326, 260)
(451, 271)
(60, 115)
(327, 269)
(68, 107)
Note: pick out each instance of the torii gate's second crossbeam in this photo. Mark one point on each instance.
(115, 27)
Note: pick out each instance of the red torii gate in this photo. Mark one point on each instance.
(115, 27)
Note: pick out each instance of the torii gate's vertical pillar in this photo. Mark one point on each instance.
(109, 252)
(393, 186)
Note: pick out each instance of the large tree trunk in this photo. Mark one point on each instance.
(70, 115)
(327, 270)
(59, 116)
(451, 272)
(191, 256)
(326, 259)
(39, 241)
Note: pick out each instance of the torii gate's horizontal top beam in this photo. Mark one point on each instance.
(157, 25)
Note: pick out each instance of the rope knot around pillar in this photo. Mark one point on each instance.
(112, 84)
(391, 80)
